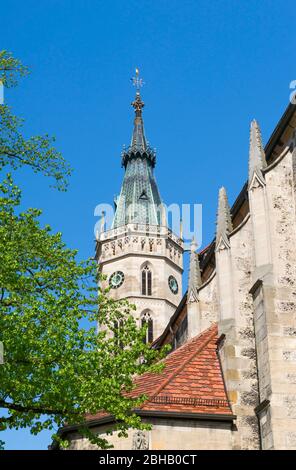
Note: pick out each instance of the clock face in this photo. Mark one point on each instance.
(116, 279)
(173, 285)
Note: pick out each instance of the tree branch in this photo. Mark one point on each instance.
(21, 159)
(6, 420)
(34, 409)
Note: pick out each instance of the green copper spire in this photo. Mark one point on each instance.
(138, 141)
(139, 200)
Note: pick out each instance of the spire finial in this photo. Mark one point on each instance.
(193, 245)
(138, 138)
(194, 278)
(137, 81)
(224, 223)
(138, 104)
(257, 159)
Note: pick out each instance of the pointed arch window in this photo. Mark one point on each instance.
(118, 325)
(146, 319)
(146, 281)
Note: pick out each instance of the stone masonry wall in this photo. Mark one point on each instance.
(208, 303)
(280, 301)
(237, 351)
(167, 434)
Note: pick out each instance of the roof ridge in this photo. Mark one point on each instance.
(183, 346)
(184, 363)
(201, 252)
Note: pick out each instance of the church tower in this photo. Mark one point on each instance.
(140, 256)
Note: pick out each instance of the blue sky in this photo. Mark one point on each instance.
(209, 68)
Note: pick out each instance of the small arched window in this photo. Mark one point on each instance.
(146, 281)
(146, 319)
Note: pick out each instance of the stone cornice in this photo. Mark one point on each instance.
(277, 160)
(142, 255)
(151, 297)
(207, 281)
(243, 222)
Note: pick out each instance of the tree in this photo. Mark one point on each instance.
(56, 370)
(15, 150)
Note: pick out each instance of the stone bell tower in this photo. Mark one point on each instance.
(141, 257)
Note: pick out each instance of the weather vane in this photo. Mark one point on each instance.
(137, 81)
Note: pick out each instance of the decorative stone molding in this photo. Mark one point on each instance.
(140, 440)
(257, 181)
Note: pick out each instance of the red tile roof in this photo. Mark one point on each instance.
(190, 382)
